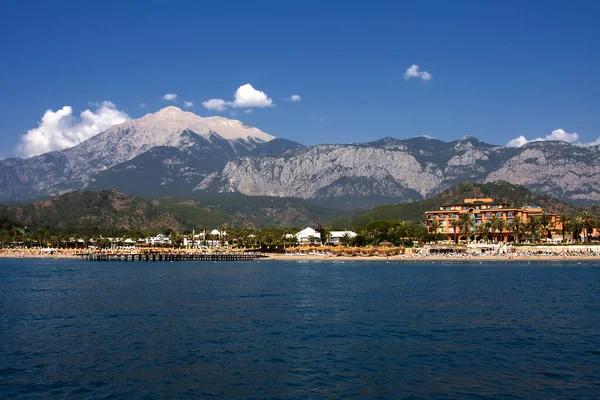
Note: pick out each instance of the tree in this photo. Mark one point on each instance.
(576, 227)
(565, 221)
(405, 230)
(533, 226)
(434, 226)
(466, 223)
(482, 230)
(345, 239)
(455, 224)
(545, 221)
(517, 227)
(588, 224)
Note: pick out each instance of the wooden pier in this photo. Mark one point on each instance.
(172, 257)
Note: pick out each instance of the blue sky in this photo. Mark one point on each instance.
(498, 71)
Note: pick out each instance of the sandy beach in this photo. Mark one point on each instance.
(417, 258)
(525, 255)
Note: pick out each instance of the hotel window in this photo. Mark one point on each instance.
(453, 216)
(478, 207)
(494, 205)
(465, 208)
(488, 215)
(499, 214)
(510, 214)
(510, 220)
(443, 216)
(478, 222)
(478, 216)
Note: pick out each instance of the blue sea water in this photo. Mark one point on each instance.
(73, 329)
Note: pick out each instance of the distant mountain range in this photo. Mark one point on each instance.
(177, 153)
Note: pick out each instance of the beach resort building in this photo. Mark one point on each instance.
(308, 236)
(338, 237)
(481, 211)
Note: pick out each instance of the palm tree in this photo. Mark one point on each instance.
(545, 221)
(363, 235)
(483, 230)
(466, 224)
(404, 230)
(576, 226)
(455, 224)
(345, 239)
(533, 226)
(393, 233)
(495, 226)
(565, 221)
(434, 226)
(588, 223)
(517, 227)
(502, 226)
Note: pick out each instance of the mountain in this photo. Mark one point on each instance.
(167, 148)
(112, 211)
(392, 170)
(176, 153)
(515, 195)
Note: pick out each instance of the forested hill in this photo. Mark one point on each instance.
(514, 195)
(110, 211)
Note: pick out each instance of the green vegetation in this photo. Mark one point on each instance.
(265, 221)
(501, 191)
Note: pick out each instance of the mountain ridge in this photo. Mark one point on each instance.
(176, 153)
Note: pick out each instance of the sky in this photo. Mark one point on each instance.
(311, 71)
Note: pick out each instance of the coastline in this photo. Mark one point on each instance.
(454, 258)
(407, 259)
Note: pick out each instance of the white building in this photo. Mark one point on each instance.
(308, 236)
(337, 237)
(158, 240)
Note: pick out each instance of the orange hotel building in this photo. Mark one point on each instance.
(483, 210)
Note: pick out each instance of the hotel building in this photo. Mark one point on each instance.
(483, 210)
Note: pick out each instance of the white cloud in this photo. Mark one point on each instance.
(414, 72)
(170, 97)
(559, 134)
(295, 97)
(215, 104)
(247, 96)
(142, 105)
(244, 97)
(517, 142)
(248, 111)
(188, 104)
(60, 130)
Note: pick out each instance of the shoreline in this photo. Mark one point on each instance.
(37, 255)
(404, 258)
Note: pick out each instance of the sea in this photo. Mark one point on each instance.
(299, 330)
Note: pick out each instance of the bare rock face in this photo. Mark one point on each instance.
(554, 168)
(310, 171)
(412, 169)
